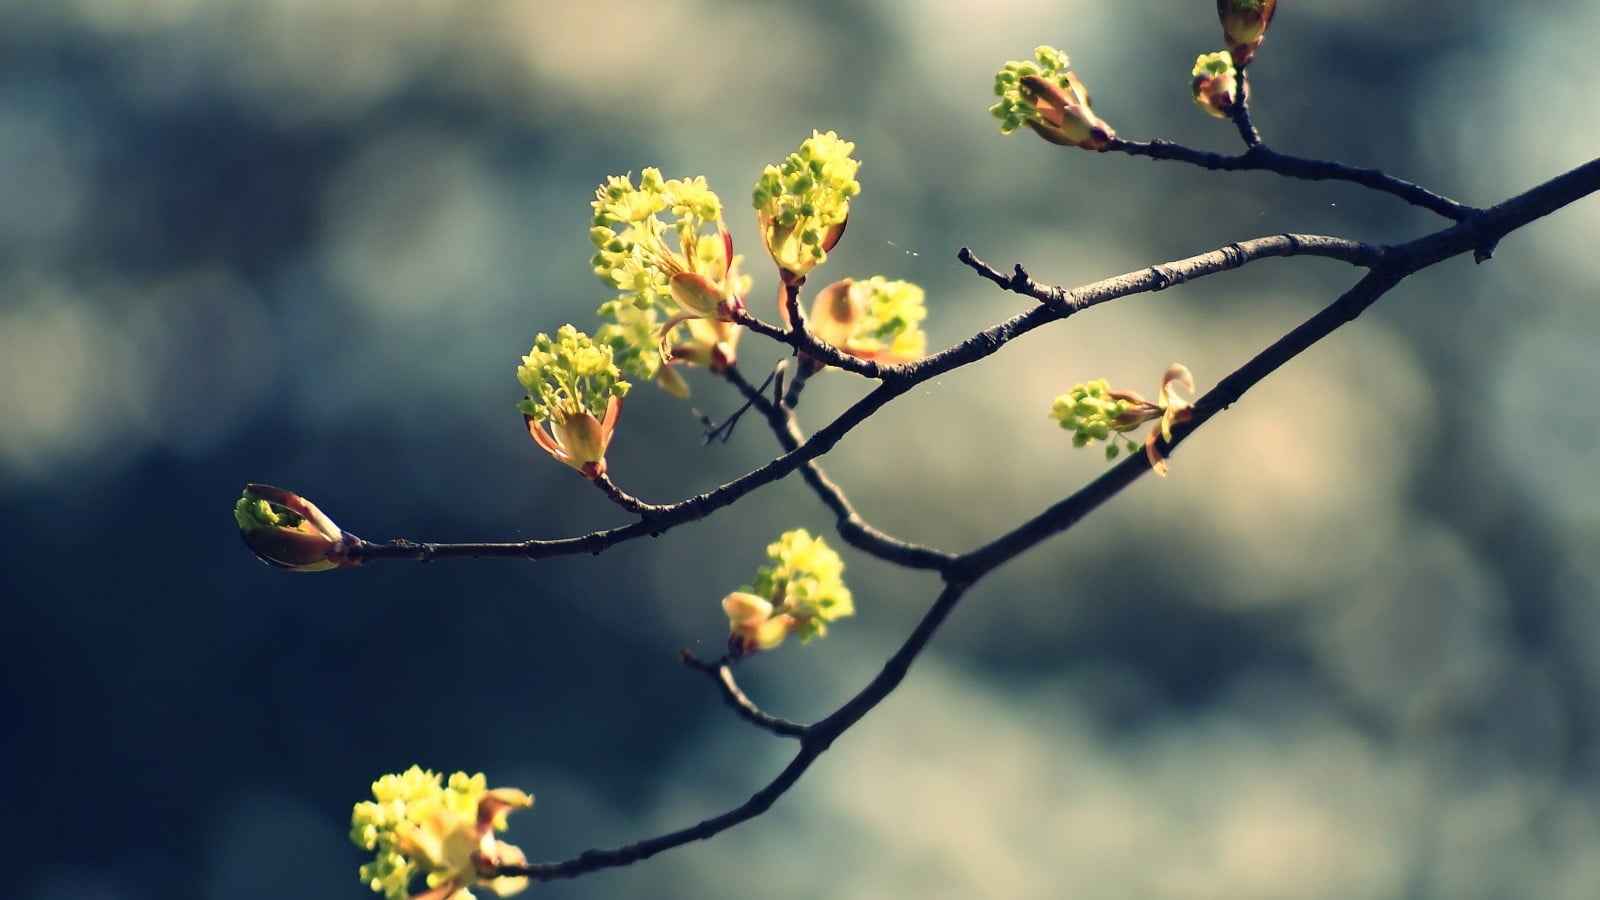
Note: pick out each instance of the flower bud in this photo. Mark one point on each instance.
(1065, 117)
(1244, 26)
(288, 531)
(1215, 84)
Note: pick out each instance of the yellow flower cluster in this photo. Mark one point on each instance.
(667, 273)
(574, 397)
(875, 319)
(423, 827)
(803, 203)
(799, 591)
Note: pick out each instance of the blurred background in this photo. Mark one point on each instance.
(1345, 650)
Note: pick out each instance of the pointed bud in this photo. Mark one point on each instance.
(1244, 26)
(696, 294)
(1065, 114)
(751, 624)
(835, 313)
(288, 531)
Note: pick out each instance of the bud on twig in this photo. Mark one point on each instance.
(286, 530)
(1244, 26)
(1215, 84)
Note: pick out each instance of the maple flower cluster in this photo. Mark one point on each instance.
(575, 394)
(440, 832)
(802, 205)
(1093, 412)
(799, 591)
(663, 245)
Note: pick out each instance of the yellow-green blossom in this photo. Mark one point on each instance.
(802, 204)
(875, 319)
(574, 398)
(799, 591)
(635, 335)
(1043, 94)
(1094, 412)
(682, 267)
(1215, 84)
(442, 833)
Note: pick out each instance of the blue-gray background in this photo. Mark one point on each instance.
(1346, 650)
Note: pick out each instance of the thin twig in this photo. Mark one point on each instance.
(851, 526)
(624, 499)
(1241, 115)
(721, 673)
(1262, 158)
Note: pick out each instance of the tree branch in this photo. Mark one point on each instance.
(1260, 157)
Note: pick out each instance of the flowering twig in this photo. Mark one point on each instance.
(961, 572)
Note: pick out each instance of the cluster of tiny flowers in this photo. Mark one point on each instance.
(441, 832)
(630, 238)
(1015, 107)
(799, 591)
(574, 398)
(568, 375)
(893, 312)
(803, 203)
(875, 319)
(1092, 412)
(667, 271)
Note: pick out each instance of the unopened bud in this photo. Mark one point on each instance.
(1244, 26)
(286, 530)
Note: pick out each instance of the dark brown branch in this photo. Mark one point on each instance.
(1070, 511)
(1164, 275)
(814, 740)
(854, 529)
(1262, 158)
(721, 674)
(806, 344)
(1241, 115)
(964, 571)
(1398, 262)
(624, 499)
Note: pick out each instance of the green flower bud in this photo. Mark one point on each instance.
(1043, 94)
(288, 531)
(799, 591)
